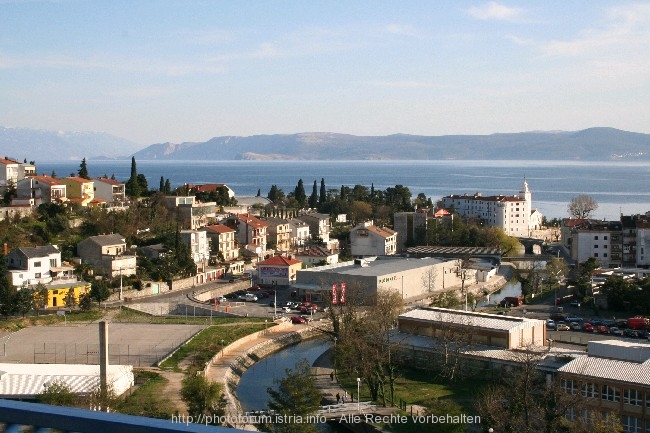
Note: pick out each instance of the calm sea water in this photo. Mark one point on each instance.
(616, 186)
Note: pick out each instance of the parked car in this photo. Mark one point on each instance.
(630, 333)
(602, 329)
(550, 324)
(575, 326)
(587, 327)
(562, 327)
(298, 320)
(616, 331)
(247, 297)
(221, 299)
(285, 309)
(575, 319)
(255, 288)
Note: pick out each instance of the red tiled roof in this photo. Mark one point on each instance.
(209, 187)
(79, 179)
(252, 221)
(219, 228)
(279, 261)
(48, 179)
(108, 181)
(384, 232)
(6, 161)
(441, 212)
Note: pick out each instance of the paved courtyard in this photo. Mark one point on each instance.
(139, 345)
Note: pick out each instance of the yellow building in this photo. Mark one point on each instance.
(56, 296)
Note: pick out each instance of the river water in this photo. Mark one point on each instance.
(266, 373)
(510, 289)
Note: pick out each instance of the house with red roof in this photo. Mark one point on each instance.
(250, 231)
(278, 270)
(368, 240)
(41, 189)
(81, 191)
(110, 190)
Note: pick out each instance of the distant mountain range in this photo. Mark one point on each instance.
(593, 144)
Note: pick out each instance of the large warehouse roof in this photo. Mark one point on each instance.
(470, 318)
(378, 267)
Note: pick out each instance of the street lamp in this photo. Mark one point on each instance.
(358, 394)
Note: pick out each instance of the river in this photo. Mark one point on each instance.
(266, 373)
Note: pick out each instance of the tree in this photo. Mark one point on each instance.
(83, 170)
(202, 396)
(70, 299)
(99, 292)
(24, 301)
(85, 302)
(313, 198)
(168, 187)
(41, 297)
(295, 399)
(161, 186)
(299, 193)
(132, 186)
(582, 206)
(323, 193)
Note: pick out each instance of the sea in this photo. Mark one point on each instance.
(618, 187)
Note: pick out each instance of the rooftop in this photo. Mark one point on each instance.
(470, 318)
(378, 267)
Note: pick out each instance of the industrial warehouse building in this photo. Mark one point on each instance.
(412, 278)
(486, 329)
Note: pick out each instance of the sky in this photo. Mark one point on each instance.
(190, 70)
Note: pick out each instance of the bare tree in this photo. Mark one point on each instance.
(582, 206)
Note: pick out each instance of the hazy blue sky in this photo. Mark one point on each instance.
(189, 70)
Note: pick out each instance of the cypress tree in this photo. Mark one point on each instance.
(132, 187)
(83, 170)
(323, 192)
(313, 198)
(161, 187)
(299, 193)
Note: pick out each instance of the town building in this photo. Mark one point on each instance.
(513, 214)
(278, 271)
(250, 232)
(411, 228)
(29, 266)
(279, 234)
(222, 240)
(614, 377)
(319, 225)
(41, 190)
(110, 191)
(12, 171)
(367, 240)
(602, 240)
(413, 279)
(108, 254)
(191, 214)
(213, 187)
(486, 329)
(300, 234)
(198, 245)
(81, 191)
(317, 256)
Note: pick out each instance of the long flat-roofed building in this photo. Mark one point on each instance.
(486, 329)
(412, 278)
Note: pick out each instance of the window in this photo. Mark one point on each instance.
(610, 393)
(52, 263)
(632, 396)
(595, 238)
(605, 237)
(37, 275)
(605, 255)
(569, 386)
(595, 246)
(590, 390)
(631, 424)
(595, 254)
(37, 264)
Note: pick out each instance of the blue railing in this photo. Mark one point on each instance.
(17, 414)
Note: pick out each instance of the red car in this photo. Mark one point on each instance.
(255, 288)
(298, 320)
(588, 327)
(306, 309)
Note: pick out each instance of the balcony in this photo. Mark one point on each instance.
(17, 414)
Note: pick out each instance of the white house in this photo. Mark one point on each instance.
(197, 242)
(110, 190)
(28, 266)
(366, 239)
(299, 232)
(317, 256)
(41, 189)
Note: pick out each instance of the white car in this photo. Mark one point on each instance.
(286, 309)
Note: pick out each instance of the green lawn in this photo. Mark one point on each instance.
(128, 315)
(149, 398)
(15, 323)
(209, 341)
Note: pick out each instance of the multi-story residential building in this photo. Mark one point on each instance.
(631, 228)
(513, 214)
(366, 239)
(640, 243)
(41, 189)
(80, 190)
(107, 254)
(213, 187)
(602, 240)
(223, 243)
(300, 235)
(190, 213)
(197, 242)
(250, 232)
(12, 171)
(411, 228)
(279, 234)
(110, 191)
(29, 266)
(319, 225)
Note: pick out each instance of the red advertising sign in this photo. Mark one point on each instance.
(343, 285)
(307, 297)
(333, 294)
